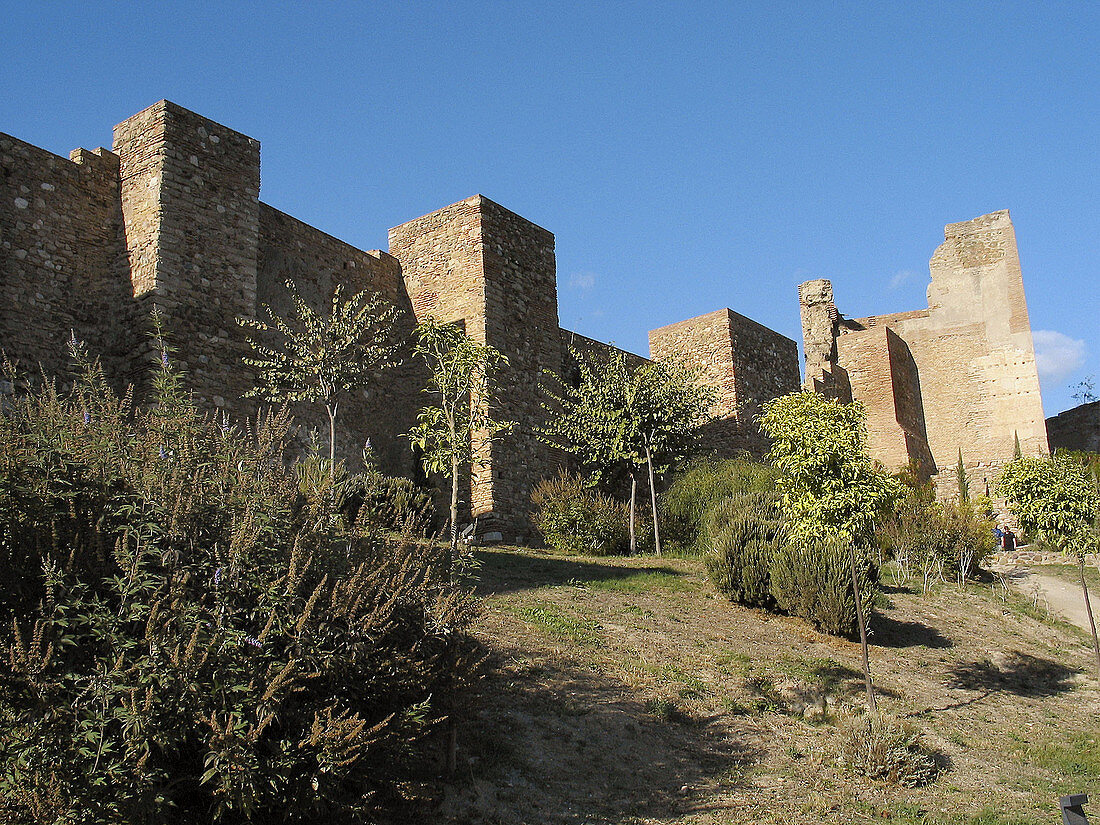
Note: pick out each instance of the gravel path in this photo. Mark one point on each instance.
(1060, 596)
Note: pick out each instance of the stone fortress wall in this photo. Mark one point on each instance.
(960, 374)
(170, 218)
(747, 364)
(1076, 429)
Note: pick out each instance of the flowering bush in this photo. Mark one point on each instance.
(185, 640)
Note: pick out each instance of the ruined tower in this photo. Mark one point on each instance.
(960, 374)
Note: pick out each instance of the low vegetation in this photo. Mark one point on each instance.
(573, 518)
(622, 691)
(191, 630)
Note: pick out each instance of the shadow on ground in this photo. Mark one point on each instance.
(555, 743)
(1018, 673)
(891, 632)
(506, 572)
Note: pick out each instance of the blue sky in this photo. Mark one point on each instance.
(687, 156)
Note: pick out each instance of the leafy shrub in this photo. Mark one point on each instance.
(886, 750)
(701, 486)
(743, 535)
(574, 519)
(187, 639)
(934, 539)
(390, 503)
(813, 580)
(969, 529)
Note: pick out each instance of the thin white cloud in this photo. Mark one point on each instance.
(1057, 355)
(900, 277)
(582, 280)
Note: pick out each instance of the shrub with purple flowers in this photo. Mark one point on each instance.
(182, 641)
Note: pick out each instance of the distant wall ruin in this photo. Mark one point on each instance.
(1076, 429)
(959, 375)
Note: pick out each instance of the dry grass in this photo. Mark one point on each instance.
(626, 691)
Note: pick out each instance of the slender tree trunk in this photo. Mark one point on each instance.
(453, 552)
(451, 743)
(872, 703)
(1088, 610)
(331, 408)
(633, 498)
(653, 499)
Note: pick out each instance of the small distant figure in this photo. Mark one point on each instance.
(1008, 540)
(998, 534)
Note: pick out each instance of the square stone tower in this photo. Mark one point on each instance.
(477, 263)
(746, 363)
(190, 208)
(960, 374)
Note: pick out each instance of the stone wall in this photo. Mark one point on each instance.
(747, 364)
(290, 250)
(590, 348)
(958, 375)
(1031, 555)
(171, 219)
(881, 373)
(1076, 429)
(190, 190)
(62, 259)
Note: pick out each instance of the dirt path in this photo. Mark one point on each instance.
(1060, 596)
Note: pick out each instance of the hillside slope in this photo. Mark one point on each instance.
(626, 691)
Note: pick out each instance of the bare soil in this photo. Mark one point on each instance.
(627, 691)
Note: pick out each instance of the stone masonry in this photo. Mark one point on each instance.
(170, 218)
(1076, 429)
(958, 375)
(747, 364)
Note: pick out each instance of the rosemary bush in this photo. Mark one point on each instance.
(188, 636)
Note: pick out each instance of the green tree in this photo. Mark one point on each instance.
(829, 487)
(618, 420)
(461, 386)
(668, 404)
(445, 432)
(311, 356)
(592, 422)
(1056, 500)
(1084, 391)
(962, 480)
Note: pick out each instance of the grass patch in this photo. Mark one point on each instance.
(1070, 573)
(1076, 756)
(663, 709)
(828, 674)
(662, 578)
(1022, 605)
(734, 663)
(550, 619)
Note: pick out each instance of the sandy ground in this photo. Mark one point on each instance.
(1059, 596)
(626, 692)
